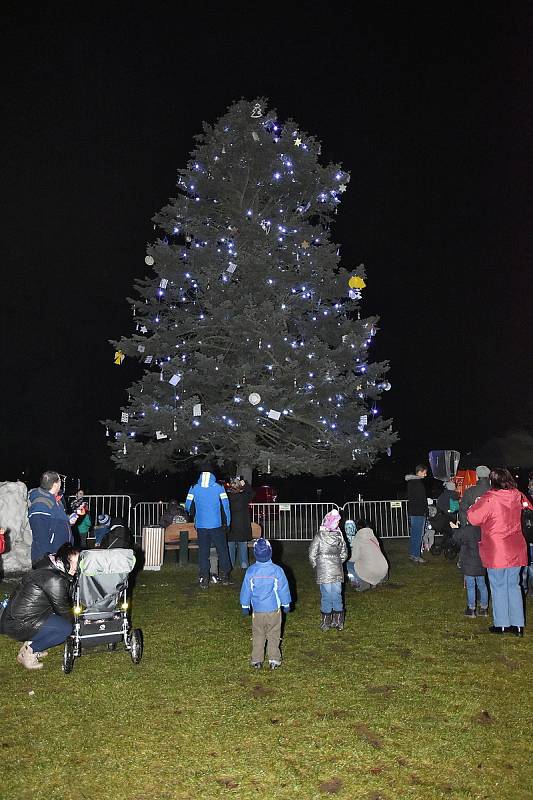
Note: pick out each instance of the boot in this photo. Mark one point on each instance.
(338, 620)
(325, 621)
(27, 657)
(225, 579)
(204, 583)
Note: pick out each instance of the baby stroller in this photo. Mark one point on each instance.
(101, 607)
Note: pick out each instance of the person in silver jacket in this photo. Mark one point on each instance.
(327, 553)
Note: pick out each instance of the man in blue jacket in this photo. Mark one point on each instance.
(208, 502)
(50, 526)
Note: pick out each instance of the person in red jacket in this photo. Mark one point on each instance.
(502, 548)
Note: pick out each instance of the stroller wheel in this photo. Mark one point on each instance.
(136, 645)
(68, 656)
(450, 552)
(435, 549)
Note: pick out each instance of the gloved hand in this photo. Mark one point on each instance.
(245, 612)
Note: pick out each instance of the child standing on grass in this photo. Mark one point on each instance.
(265, 589)
(327, 553)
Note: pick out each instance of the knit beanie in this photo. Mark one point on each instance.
(262, 550)
(104, 519)
(349, 528)
(482, 472)
(450, 485)
(331, 520)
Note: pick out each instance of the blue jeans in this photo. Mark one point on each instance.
(416, 532)
(355, 580)
(330, 597)
(216, 536)
(507, 605)
(241, 550)
(471, 581)
(54, 631)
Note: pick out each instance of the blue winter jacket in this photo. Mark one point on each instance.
(265, 587)
(49, 524)
(208, 497)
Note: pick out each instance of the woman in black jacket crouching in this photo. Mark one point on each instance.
(39, 612)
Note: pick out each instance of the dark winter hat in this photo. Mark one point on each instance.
(482, 472)
(104, 519)
(262, 550)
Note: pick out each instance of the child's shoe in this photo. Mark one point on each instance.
(470, 612)
(483, 612)
(257, 664)
(274, 664)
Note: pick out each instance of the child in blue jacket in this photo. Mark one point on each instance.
(265, 589)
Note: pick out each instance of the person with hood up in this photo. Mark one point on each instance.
(265, 589)
(209, 503)
(240, 532)
(468, 538)
(327, 553)
(367, 566)
(39, 612)
(417, 508)
(118, 536)
(502, 548)
(102, 528)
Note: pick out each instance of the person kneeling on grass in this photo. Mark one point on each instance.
(327, 553)
(39, 612)
(367, 566)
(265, 589)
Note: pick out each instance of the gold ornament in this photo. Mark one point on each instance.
(356, 282)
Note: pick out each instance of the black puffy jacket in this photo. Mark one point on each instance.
(43, 591)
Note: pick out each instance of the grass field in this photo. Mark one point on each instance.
(411, 700)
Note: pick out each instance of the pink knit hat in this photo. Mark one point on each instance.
(331, 520)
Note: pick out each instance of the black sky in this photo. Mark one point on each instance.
(429, 109)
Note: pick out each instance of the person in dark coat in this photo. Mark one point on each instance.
(118, 536)
(417, 508)
(174, 512)
(39, 612)
(240, 495)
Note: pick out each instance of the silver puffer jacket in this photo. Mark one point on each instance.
(327, 553)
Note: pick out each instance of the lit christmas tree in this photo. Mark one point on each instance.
(249, 331)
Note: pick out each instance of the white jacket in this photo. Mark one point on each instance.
(369, 562)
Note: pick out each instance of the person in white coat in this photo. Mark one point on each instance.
(367, 566)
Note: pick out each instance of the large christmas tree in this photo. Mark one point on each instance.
(248, 329)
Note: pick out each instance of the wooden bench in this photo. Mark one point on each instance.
(182, 536)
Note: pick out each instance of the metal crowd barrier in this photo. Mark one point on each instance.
(116, 505)
(299, 521)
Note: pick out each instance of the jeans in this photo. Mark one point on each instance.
(416, 532)
(241, 550)
(471, 581)
(330, 597)
(355, 580)
(217, 536)
(507, 605)
(54, 631)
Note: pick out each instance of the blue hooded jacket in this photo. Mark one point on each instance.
(209, 499)
(265, 587)
(49, 524)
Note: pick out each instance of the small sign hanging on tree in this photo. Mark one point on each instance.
(197, 410)
(274, 414)
(175, 379)
(163, 283)
(160, 435)
(141, 348)
(256, 111)
(124, 417)
(148, 359)
(149, 261)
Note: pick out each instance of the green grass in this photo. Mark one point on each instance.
(411, 700)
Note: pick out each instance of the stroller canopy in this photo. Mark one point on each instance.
(103, 574)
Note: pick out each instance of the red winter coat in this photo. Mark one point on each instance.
(499, 515)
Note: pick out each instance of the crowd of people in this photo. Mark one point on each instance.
(491, 525)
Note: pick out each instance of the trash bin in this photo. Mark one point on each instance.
(153, 545)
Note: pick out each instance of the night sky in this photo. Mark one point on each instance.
(430, 110)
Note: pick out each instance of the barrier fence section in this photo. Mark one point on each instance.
(300, 521)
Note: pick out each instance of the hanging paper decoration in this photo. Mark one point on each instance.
(354, 294)
(197, 410)
(256, 111)
(386, 386)
(175, 379)
(274, 414)
(125, 449)
(119, 357)
(141, 348)
(148, 359)
(231, 267)
(356, 282)
(149, 261)
(305, 244)
(266, 226)
(298, 142)
(143, 329)
(268, 467)
(254, 398)
(342, 187)
(160, 435)
(255, 136)
(175, 424)
(363, 420)
(106, 431)
(163, 283)
(124, 417)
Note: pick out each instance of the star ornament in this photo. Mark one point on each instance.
(342, 187)
(305, 244)
(298, 142)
